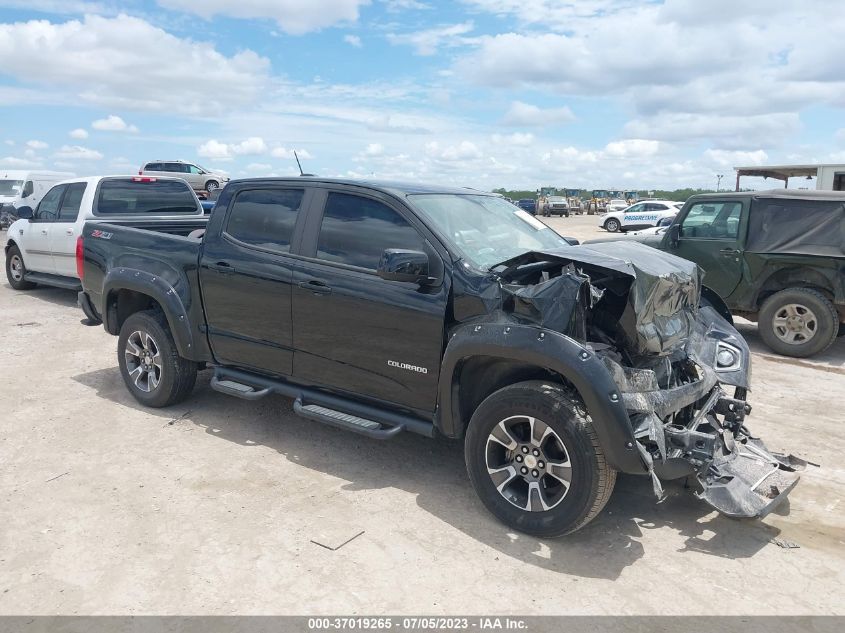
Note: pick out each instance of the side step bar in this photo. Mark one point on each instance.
(57, 281)
(311, 404)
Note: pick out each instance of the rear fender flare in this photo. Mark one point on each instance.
(158, 289)
(549, 350)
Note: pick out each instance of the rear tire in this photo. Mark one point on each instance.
(15, 270)
(537, 502)
(798, 322)
(149, 362)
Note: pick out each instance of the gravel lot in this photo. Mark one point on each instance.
(211, 507)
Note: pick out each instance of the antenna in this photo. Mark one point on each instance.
(298, 164)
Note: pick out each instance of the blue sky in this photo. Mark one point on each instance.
(482, 93)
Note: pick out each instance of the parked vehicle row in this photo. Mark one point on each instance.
(41, 246)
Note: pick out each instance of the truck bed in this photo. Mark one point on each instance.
(148, 254)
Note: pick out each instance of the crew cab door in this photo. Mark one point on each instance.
(245, 276)
(710, 236)
(353, 331)
(63, 232)
(36, 239)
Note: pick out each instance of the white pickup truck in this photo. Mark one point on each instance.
(41, 246)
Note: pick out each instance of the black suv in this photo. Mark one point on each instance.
(382, 308)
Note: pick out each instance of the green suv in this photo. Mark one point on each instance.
(775, 257)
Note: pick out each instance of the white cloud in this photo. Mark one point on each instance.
(9, 142)
(295, 17)
(727, 159)
(92, 60)
(517, 138)
(78, 133)
(77, 152)
(840, 134)
(465, 150)
(18, 163)
(353, 40)
(728, 131)
(374, 149)
(427, 41)
(262, 168)
(37, 145)
(113, 123)
(526, 115)
(213, 149)
(632, 147)
(283, 152)
(251, 146)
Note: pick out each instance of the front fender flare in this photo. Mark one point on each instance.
(553, 351)
(162, 292)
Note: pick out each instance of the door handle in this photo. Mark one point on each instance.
(224, 268)
(69, 231)
(43, 231)
(729, 252)
(315, 286)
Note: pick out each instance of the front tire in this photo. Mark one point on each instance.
(612, 225)
(15, 270)
(535, 461)
(212, 185)
(798, 322)
(149, 362)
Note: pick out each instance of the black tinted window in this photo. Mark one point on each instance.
(356, 231)
(140, 195)
(265, 217)
(174, 167)
(48, 208)
(71, 202)
(154, 167)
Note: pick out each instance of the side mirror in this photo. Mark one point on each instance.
(672, 235)
(24, 213)
(401, 265)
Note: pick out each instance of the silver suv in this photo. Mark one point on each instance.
(200, 178)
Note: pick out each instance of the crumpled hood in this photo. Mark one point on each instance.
(663, 292)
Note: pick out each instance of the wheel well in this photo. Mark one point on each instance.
(9, 245)
(124, 303)
(479, 377)
(795, 278)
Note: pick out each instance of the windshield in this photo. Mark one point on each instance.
(486, 230)
(10, 187)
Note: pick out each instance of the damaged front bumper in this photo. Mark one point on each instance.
(694, 428)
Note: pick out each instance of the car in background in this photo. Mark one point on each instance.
(41, 246)
(642, 215)
(527, 204)
(617, 204)
(200, 178)
(24, 188)
(776, 257)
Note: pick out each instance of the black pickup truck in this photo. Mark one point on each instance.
(381, 308)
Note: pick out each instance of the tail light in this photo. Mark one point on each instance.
(142, 179)
(80, 259)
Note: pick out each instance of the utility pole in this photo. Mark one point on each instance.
(719, 181)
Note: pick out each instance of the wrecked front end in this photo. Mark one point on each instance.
(682, 370)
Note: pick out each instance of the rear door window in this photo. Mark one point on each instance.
(357, 230)
(71, 202)
(48, 209)
(154, 167)
(128, 196)
(265, 218)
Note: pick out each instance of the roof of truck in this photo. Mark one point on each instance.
(797, 194)
(395, 188)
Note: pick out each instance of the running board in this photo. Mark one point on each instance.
(346, 421)
(321, 406)
(238, 389)
(68, 283)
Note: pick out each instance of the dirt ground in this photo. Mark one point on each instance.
(210, 507)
